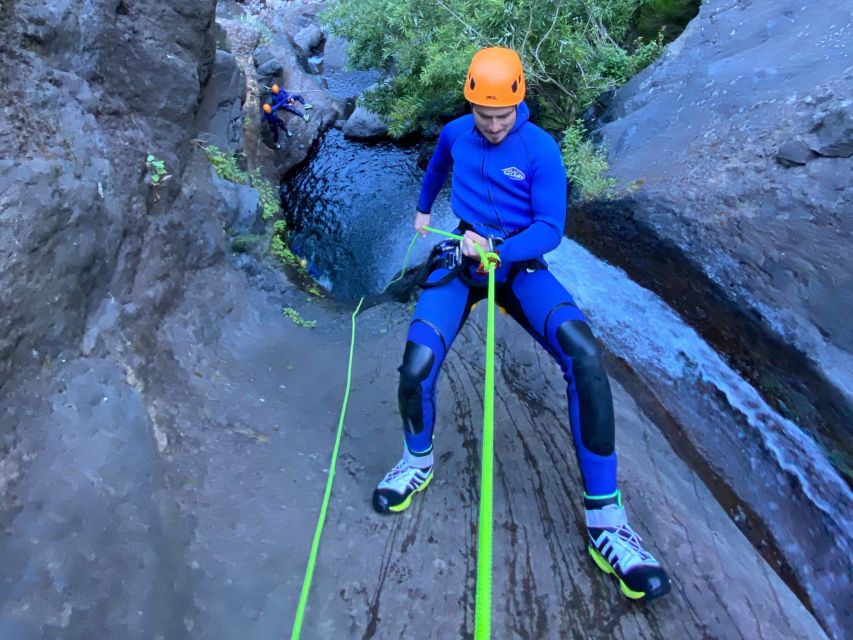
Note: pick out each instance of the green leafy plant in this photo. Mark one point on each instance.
(298, 320)
(664, 17)
(279, 248)
(573, 51)
(267, 191)
(586, 166)
(227, 168)
(157, 173)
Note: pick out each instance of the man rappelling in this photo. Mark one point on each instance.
(509, 192)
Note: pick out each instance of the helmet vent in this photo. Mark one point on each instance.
(514, 86)
(472, 84)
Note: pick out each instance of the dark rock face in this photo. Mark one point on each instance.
(737, 139)
(93, 256)
(221, 110)
(107, 83)
(94, 549)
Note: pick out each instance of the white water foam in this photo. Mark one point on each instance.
(639, 327)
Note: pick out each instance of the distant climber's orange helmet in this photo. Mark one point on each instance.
(267, 108)
(495, 78)
(275, 88)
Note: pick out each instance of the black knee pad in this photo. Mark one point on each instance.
(418, 360)
(593, 388)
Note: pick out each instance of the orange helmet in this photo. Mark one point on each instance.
(495, 78)
(267, 108)
(275, 88)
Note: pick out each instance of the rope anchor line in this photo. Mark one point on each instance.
(483, 606)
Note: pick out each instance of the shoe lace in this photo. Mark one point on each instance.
(399, 469)
(631, 552)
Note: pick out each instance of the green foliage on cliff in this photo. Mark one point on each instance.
(279, 248)
(573, 50)
(157, 173)
(227, 168)
(585, 165)
(297, 319)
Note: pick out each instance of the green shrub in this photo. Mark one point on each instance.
(225, 165)
(227, 168)
(157, 173)
(279, 248)
(665, 17)
(585, 165)
(573, 50)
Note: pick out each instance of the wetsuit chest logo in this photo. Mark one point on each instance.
(513, 173)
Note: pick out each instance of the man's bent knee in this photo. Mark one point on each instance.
(593, 388)
(418, 361)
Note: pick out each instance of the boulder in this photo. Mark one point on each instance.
(240, 206)
(794, 152)
(309, 39)
(365, 125)
(835, 133)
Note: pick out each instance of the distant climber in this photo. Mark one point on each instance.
(283, 100)
(275, 123)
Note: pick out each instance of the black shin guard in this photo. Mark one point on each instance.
(418, 360)
(593, 388)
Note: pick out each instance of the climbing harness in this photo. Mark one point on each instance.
(450, 252)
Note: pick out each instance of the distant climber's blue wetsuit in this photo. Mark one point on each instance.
(282, 100)
(275, 123)
(515, 191)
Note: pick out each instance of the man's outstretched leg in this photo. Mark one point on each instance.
(414, 471)
(440, 314)
(613, 544)
(543, 306)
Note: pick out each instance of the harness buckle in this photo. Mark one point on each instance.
(451, 252)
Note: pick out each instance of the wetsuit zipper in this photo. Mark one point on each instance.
(488, 189)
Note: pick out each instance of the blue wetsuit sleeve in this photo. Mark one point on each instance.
(436, 173)
(548, 208)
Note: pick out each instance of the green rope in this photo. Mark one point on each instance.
(482, 619)
(312, 557)
(483, 606)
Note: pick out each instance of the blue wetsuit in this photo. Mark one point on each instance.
(275, 123)
(514, 191)
(282, 99)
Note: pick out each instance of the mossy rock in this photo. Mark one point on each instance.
(249, 243)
